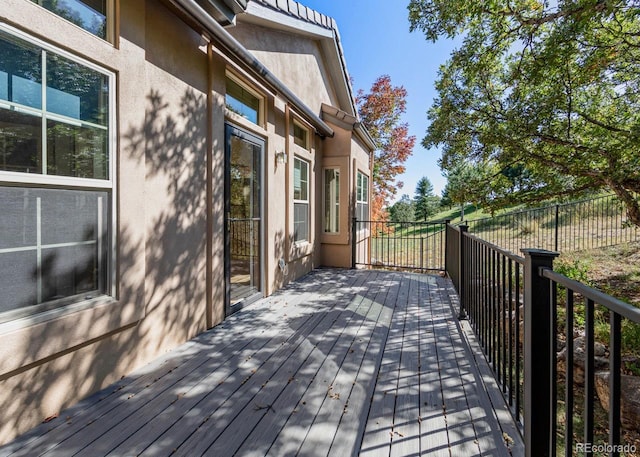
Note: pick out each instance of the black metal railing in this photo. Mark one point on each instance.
(575, 226)
(244, 237)
(513, 307)
(412, 246)
(595, 309)
(490, 285)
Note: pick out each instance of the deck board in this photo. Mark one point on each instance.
(341, 362)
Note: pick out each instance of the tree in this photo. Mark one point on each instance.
(403, 210)
(380, 111)
(426, 203)
(466, 183)
(546, 92)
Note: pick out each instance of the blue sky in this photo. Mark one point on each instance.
(376, 41)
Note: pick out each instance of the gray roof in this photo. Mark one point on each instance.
(300, 11)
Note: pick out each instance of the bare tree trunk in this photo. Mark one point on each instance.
(630, 200)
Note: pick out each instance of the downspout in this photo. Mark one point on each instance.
(287, 236)
(235, 47)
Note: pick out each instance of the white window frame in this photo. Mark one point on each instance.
(302, 201)
(333, 210)
(362, 194)
(33, 180)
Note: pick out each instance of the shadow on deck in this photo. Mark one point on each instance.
(341, 362)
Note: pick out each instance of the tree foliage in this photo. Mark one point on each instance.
(467, 183)
(380, 111)
(426, 202)
(544, 92)
(403, 210)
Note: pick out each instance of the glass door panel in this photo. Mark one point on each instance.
(244, 217)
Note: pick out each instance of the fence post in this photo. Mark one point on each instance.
(446, 244)
(461, 285)
(354, 232)
(557, 226)
(538, 357)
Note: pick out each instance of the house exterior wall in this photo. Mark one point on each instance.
(161, 218)
(169, 152)
(296, 60)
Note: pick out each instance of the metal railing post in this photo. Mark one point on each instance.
(538, 357)
(446, 244)
(557, 226)
(461, 271)
(354, 232)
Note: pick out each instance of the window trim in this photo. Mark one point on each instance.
(306, 202)
(33, 180)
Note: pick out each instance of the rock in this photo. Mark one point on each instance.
(629, 398)
(601, 361)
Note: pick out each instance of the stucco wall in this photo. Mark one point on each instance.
(161, 74)
(170, 211)
(295, 59)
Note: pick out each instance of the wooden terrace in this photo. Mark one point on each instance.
(341, 362)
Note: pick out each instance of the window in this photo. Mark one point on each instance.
(55, 243)
(362, 197)
(90, 15)
(300, 135)
(300, 200)
(331, 200)
(242, 101)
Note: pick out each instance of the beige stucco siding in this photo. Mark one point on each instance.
(296, 60)
(161, 213)
(169, 153)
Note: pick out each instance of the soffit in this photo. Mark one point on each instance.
(223, 11)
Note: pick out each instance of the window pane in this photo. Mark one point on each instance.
(76, 91)
(241, 101)
(332, 201)
(91, 15)
(365, 188)
(300, 180)
(81, 152)
(297, 179)
(18, 280)
(20, 72)
(20, 142)
(300, 136)
(300, 221)
(362, 188)
(69, 228)
(18, 221)
(68, 271)
(60, 207)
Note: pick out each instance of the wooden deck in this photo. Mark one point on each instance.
(342, 362)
